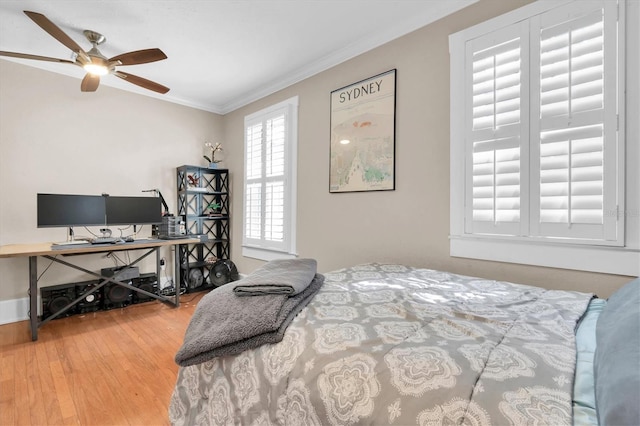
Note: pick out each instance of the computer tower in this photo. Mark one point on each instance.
(56, 297)
(171, 227)
(116, 296)
(147, 282)
(91, 302)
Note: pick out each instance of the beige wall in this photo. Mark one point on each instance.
(121, 143)
(411, 224)
(53, 138)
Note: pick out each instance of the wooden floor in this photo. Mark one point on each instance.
(105, 368)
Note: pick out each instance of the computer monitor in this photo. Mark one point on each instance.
(133, 210)
(65, 210)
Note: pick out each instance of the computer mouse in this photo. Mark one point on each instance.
(128, 239)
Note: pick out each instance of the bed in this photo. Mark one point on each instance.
(397, 345)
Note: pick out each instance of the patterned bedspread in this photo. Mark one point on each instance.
(395, 345)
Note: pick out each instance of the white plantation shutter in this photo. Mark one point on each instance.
(274, 194)
(496, 83)
(253, 152)
(253, 211)
(274, 212)
(269, 178)
(541, 137)
(574, 123)
(253, 189)
(265, 180)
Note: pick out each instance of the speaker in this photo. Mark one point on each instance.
(146, 282)
(91, 302)
(56, 297)
(116, 296)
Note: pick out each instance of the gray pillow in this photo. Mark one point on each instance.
(617, 359)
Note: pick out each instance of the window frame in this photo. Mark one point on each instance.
(261, 248)
(543, 251)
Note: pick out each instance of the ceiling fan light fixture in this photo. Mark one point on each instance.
(96, 69)
(99, 65)
(93, 62)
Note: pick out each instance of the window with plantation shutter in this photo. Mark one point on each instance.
(269, 202)
(538, 157)
(496, 84)
(574, 139)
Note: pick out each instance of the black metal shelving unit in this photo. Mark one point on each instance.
(198, 187)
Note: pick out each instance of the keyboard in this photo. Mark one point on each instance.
(103, 240)
(69, 243)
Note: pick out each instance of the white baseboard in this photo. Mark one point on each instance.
(15, 310)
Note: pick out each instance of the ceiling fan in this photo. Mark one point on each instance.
(94, 62)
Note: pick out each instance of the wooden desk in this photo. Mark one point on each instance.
(46, 250)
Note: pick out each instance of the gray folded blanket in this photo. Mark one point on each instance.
(290, 276)
(225, 324)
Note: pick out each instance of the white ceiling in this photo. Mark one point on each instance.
(222, 54)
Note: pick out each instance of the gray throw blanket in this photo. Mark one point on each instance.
(290, 277)
(225, 324)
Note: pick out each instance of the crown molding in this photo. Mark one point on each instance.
(350, 51)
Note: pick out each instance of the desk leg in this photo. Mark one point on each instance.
(33, 296)
(176, 273)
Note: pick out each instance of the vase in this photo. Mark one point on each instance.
(213, 165)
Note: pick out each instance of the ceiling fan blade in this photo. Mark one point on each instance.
(35, 57)
(139, 57)
(142, 82)
(44, 23)
(90, 83)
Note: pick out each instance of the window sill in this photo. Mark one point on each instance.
(266, 254)
(608, 260)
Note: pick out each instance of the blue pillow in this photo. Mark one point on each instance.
(617, 358)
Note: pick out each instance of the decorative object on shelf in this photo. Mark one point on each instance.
(193, 184)
(193, 181)
(215, 209)
(363, 135)
(213, 163)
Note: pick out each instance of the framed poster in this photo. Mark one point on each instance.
(363, 135)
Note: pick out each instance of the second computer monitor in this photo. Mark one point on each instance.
(133, 210)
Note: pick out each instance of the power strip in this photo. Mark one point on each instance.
(171, 291)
